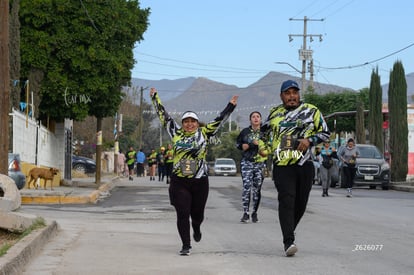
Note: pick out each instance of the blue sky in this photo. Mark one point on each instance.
(238, 42)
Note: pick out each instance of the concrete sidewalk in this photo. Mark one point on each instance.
(82, 190)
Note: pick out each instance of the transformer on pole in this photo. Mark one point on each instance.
(304, 53)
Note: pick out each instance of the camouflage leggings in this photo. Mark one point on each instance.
(252, 176)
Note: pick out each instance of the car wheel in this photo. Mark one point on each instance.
(372, 187)
(384, 187)
(80, 168)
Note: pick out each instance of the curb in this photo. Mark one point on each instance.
(20, 254)
(402, 187)
(92, 198)
(55, 200)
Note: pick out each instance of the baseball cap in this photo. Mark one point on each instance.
(189, 114)
(289, 84)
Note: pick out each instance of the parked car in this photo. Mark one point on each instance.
(83, 164)
(372, 168)
(225, 167)
(15, 171)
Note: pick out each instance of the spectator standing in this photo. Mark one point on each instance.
(293, 128)
(140, 163)
(121, 163)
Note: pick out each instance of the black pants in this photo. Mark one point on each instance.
(168, 169)
(189, 197)
(161, 171)
(293, 183)
(140, 169)
(349, 173)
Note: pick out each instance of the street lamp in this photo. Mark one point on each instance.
(301, 72)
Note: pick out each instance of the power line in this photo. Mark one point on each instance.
(196, 69)
(368, 62)
(339, 9)
(304, 53)
(320, 68)
(305, 8)
(205, 76)
(200, 64)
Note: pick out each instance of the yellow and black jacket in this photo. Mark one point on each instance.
(283, 128)
(190, 146)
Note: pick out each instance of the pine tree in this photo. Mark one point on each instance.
(375, 117)
(397, 104)
(360, 122)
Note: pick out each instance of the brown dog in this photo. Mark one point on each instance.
(42, 173)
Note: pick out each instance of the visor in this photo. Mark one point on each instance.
(189, 114)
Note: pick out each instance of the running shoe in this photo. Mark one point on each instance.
(245, 218)
(185, 251)
(291, 250)
(254, 217)
(197, 236)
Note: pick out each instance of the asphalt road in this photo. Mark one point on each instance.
(133, 232)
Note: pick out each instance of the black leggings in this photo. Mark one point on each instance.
(189, 197)
(349, 173)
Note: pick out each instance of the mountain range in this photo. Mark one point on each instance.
(208, 97)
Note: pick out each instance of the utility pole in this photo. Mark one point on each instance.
(141, 111)
(305, 54)
(311, 72)
(117, 132)
(4, 85)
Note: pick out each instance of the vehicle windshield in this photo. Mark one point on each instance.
(369, 153)
(225, 162)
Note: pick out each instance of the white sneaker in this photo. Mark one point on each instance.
(291, 250)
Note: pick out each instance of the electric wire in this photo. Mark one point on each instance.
(196, 69)
(368, 62)
(199, 64)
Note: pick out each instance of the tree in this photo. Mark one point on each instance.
(14, 38)
(85, 51)
(338, 102)
(360, 123)
(226, 147)
(375, 118)
(4, 84)
(398, 125)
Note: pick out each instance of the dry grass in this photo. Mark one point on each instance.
(8, 239)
